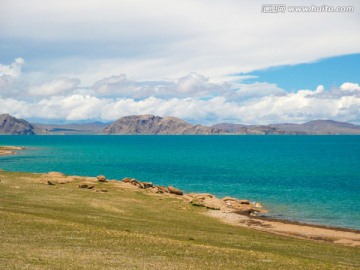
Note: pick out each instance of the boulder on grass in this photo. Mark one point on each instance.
(86, 185)
(101, 178)
(175, 191)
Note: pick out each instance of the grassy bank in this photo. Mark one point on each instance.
(65, 227)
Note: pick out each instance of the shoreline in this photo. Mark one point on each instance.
(238, 212)
(344, 236)
(302, 223)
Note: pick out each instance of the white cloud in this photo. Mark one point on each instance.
(352, 87)
(158, 39)
(54, 87)
(297, 107)
(193, 84)
(254, 91)
(13, 70)
(8, 77)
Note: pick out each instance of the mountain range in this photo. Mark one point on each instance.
(151, 124)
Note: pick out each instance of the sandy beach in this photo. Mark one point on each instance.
(292, 229)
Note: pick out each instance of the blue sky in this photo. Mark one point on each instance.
(203, 61)
(329, 72)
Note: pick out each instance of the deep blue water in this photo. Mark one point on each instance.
(314, 179)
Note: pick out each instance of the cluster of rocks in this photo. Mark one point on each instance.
(209, 201)
(155, 189)
(206, 200)
(139, 184)
(91, 185)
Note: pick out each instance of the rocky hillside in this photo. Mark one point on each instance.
(13, 126)
(320, 127)
(315, 127)
(151, 124)
(253, 129)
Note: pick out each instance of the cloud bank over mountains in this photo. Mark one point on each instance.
(192, 97)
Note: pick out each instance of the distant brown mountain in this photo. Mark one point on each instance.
(312, 127)
(13, 126)
(151, 124)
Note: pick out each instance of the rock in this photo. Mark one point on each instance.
(208, 205)
(56, 174)
(160, 189)
(175, 191)
(230, 199)
(101, 178)
(247, 211)
(227, 198)
(141, 185)
(148, 184)
(104, 190)
(212, 206)
(163, 189)
(135, 182)
(126, 180)
(63, 182)
(244, 202)
(86, 185)
(258, 205)
(50, 183)
(196, 202)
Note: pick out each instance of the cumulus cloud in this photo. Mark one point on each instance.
(352, 87)
(193, 84)
(55, 87)
(14, 69)
(9, 75)
(297, 107)
(254, 91)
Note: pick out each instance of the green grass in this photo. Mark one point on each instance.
(64, 227)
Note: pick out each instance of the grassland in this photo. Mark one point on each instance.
(65, 227)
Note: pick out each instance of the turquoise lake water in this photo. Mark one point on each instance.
(314, 179)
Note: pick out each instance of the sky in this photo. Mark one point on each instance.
(204, 61)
